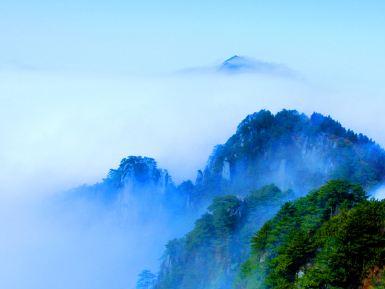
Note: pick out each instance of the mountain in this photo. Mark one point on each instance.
(211, 254)
(332, 238)
(270, 159)
(138, 172)
(137, 185)
(297, 153)
(242, 64)
(293, 151)
(135, 175)
(245, 65)
(290, 149)
(238, 64)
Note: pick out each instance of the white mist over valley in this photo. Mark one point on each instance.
(156, 145)
(64, 137)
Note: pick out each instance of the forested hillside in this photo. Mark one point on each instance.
(211, 254)
(332, 238)
(289, 149)
(293, 151)
(270, 160)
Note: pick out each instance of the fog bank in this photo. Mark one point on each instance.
(60, 130)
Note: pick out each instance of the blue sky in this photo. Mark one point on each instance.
(148, 36)
(86, 83)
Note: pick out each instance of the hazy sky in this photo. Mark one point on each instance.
(85, 83)
(147, 36)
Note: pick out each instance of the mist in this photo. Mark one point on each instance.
(61, 129)
(62, 243)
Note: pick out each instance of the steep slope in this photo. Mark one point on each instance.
(289, 149)
(294, 152)
(139, 183)
(211, 254)
(332, 238)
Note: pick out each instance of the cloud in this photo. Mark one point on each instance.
(246, 65)
(78, 244)
(60, 130)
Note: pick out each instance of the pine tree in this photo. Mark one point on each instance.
(146, 280)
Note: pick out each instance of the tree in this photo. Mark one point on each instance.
(146, 280)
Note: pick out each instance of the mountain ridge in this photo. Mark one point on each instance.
(290, 149)
(270, 159)
(295, 248)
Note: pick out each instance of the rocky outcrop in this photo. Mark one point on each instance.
(290, 149)
(136, 172)
(293, 151)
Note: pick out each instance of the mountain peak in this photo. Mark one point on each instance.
(139, 171)
(232, 58)
(294, 151)
(244, 64)
(237, 63)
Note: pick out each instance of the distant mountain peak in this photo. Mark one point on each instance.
(237, 63)
(234, 57)
(243, 64)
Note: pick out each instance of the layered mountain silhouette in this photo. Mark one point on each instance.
(289, 149)
(270, 159)
(298, 154)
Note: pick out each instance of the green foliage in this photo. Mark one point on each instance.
(211, 254)
(350, 244)
(266, 194)
(293, 151)
(226, 212)
(328, 239)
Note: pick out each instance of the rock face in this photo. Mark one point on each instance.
(210, 255)
(289, 149)
(293, 151)
(138, 180)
